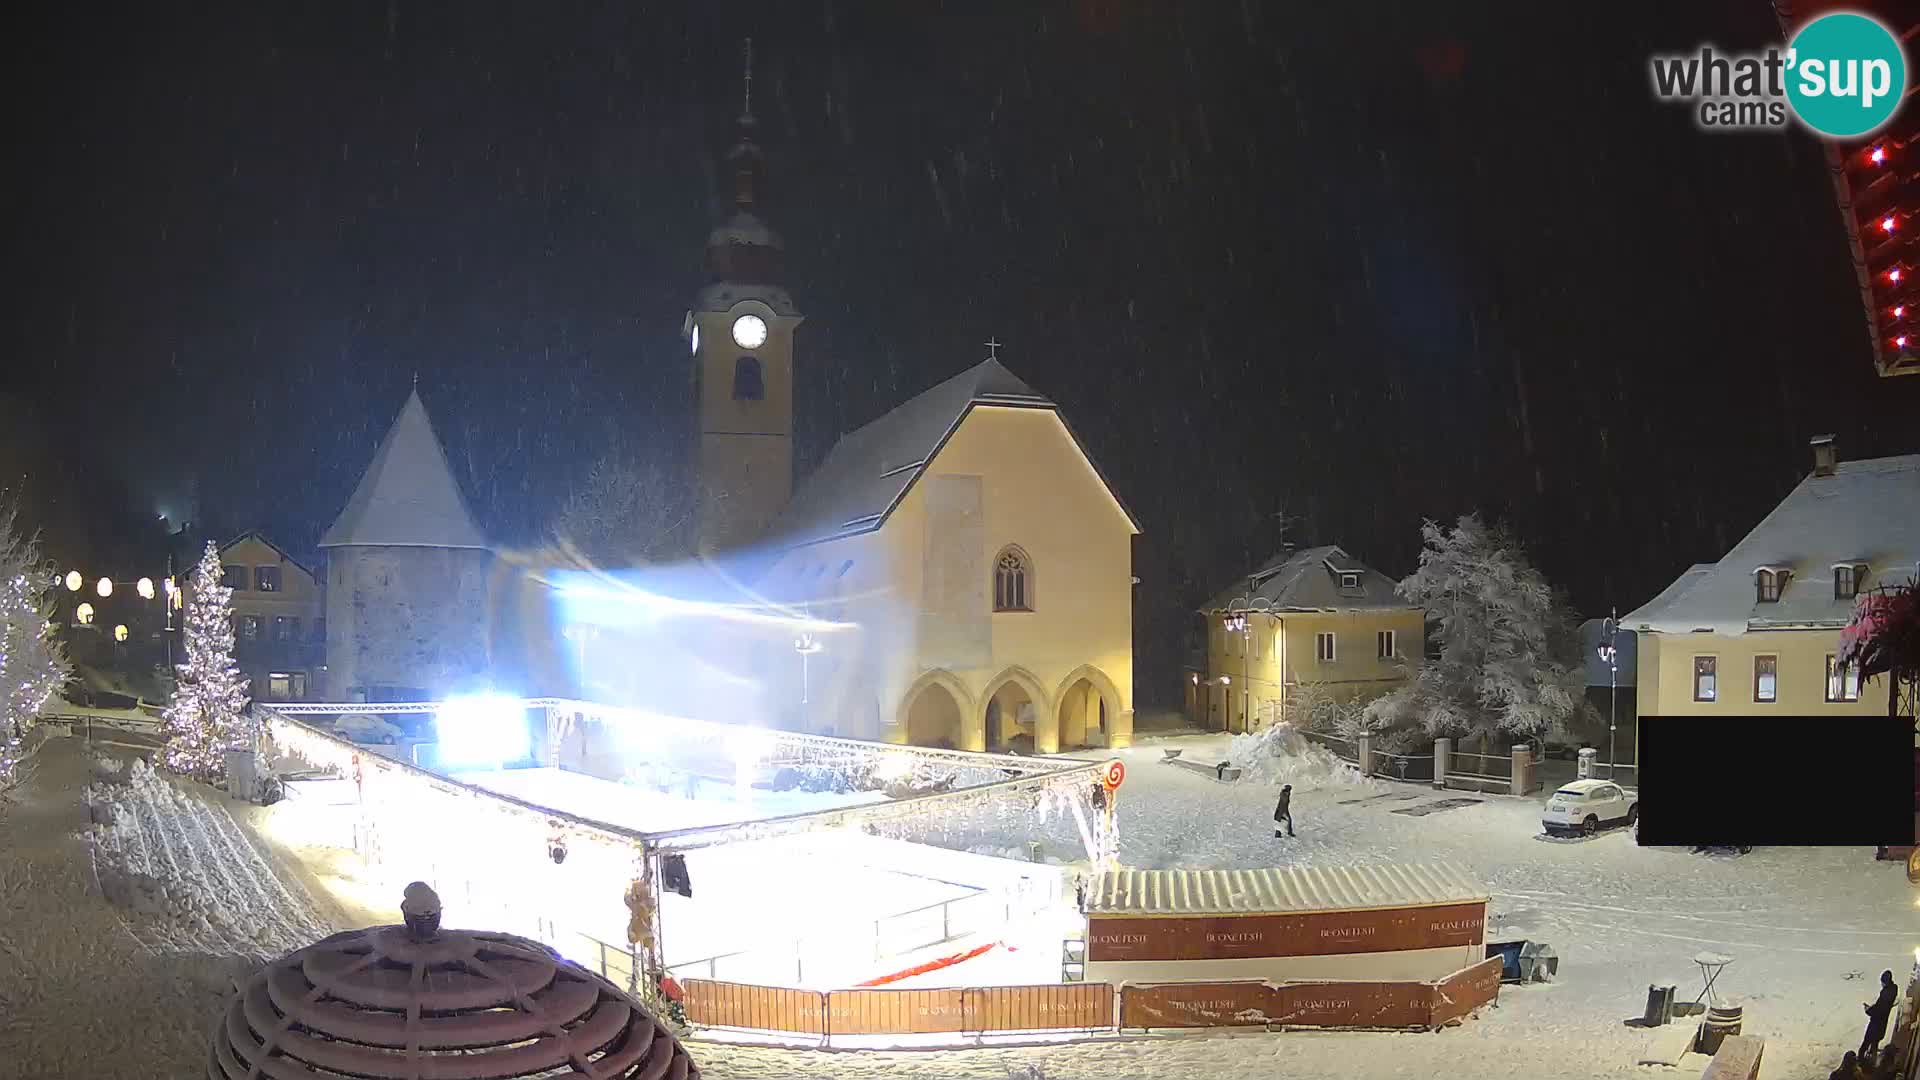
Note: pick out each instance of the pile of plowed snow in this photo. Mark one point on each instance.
(1281, 755)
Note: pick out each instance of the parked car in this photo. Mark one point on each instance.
(1586, 806)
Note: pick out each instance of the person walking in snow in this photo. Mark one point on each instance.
(1284, 811)
(1877, 1014)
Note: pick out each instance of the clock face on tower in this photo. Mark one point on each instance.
(749, 332)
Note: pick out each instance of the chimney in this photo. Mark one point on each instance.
(1825, 455)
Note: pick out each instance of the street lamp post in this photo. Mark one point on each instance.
(806, 645)
(1609, 632)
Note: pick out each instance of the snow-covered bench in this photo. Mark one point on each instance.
(1737, 1059)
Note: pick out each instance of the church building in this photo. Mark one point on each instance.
(971, 564)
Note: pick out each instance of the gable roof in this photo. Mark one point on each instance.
(1866, 512)
(871, 469)
(1308, 579)
(255, 534)
(408, 497)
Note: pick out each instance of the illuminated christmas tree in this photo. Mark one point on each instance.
(33, 666)
(208, 713)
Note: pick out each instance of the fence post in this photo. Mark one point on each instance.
(1365, 745)
(1522, 761)
(1442, 756)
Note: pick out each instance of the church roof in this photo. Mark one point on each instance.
(871, 469)
(408, 497)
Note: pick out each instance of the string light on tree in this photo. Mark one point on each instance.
(208, 713)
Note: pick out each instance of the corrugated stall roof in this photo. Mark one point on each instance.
(1300, 888)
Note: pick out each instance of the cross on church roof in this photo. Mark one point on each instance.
(993, 348)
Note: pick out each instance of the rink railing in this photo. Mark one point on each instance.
(1093, 1007)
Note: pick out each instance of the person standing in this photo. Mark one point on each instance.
(1877, 1014)
(1284, 811)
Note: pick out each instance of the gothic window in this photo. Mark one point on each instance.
(1012, 581)
(747, 383)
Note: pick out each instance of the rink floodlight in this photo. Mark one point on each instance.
(482, 731)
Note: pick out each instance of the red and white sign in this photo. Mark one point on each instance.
(1112, 775)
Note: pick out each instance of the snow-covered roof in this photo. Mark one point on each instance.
(870, 470)
(408, 497)
(1308, 579)
(1293, 889)
(1865, 512)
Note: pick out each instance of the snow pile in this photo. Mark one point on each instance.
(182, 866)
(1281, 755)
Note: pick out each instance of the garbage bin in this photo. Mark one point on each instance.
(1538, 963)
(1659, 1005)
(1509, 954)
(1722, 1021)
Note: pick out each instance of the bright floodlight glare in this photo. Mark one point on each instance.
(105, 588)
(482, 731)
(144, 588)
(74, 581)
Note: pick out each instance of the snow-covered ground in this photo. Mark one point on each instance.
(85, 983)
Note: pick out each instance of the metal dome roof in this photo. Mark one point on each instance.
(416, 1002)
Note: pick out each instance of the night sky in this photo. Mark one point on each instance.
(1358, 264)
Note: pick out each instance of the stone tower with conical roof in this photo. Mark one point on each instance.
(406, 576)
(740, 332)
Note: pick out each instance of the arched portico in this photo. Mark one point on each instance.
(1014, 706)
(1090, 711)
(937, 709)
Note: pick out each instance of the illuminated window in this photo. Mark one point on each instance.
(747, 383)
(1706, 683)
(1012, 581)
(266, 578)
(1843, 680)
(1766, 678)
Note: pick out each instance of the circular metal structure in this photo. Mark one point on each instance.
(417, 1002)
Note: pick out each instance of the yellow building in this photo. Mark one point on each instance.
(279, 629)
(1759, 630)
(1307, 621)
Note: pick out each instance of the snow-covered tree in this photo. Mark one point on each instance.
(208, 713)
(33, 665)
(1504, 666)
(625, 513)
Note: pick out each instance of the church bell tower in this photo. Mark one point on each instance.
(740, 332)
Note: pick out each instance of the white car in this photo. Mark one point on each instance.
(1586, 806)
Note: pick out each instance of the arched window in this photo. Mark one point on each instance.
(747, 384)
(1012, 581)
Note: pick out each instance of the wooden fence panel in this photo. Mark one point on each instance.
(1313, 933)
(1196, 1005)
(758, 1008)
(1056, 1007)
(1466, 990)
(1353, 1004)
(895, 1012)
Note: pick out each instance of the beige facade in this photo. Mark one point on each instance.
(1797, 660)
(1312, 620)
(922, 655)
(743, 399)
(279, 625)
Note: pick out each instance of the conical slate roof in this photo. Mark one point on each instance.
(408, 497)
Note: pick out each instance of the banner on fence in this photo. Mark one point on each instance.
(1352, 1004)
(1316, 933)
(895, 1012)
(1057, 1007)
(1464, 991)
(1194, 1005)
(755, 1008)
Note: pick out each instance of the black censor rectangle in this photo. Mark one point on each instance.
(1781, 781)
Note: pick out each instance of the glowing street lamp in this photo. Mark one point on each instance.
(120, 632)
(104, 588)
(74, 581)
(806, 646)
(145, 588)
(84, 614)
